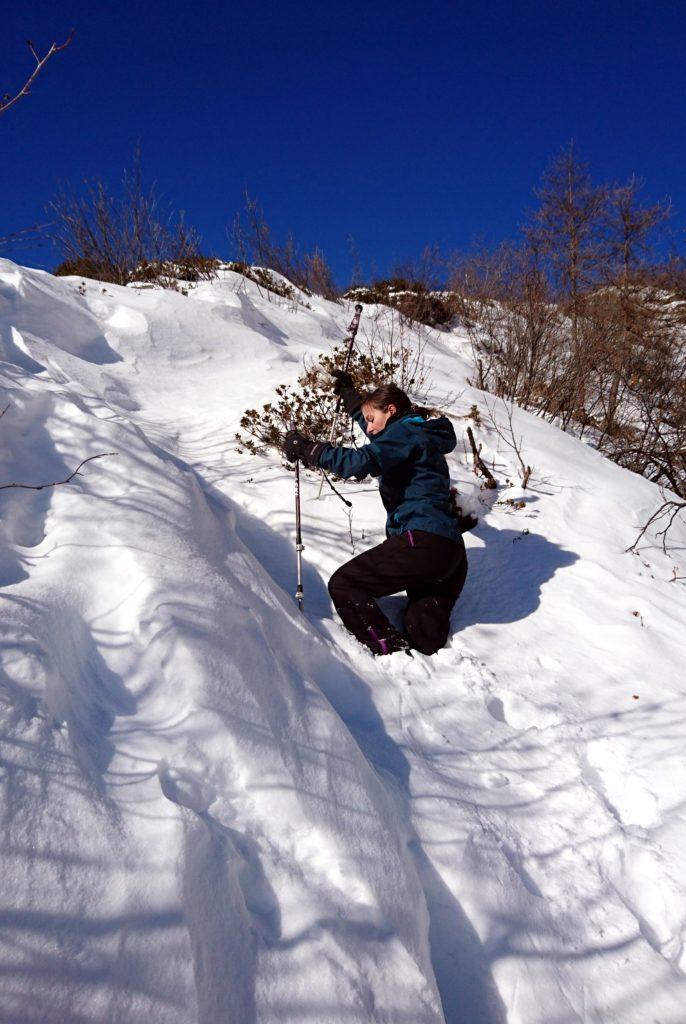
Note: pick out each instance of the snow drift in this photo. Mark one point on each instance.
(216, 809)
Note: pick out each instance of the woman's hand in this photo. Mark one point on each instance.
(344, 386)
(297, 446)
(342, 382)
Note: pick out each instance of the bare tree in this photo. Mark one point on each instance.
(513, 324)
(567, 232)
(8, 100)
(631, 227)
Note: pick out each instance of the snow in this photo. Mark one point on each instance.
(217, 809)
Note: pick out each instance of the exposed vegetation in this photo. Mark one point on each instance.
(579, 324)
(386, 353)
(126, 237)
(411, 298)
(257, 250)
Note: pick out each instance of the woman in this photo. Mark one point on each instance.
(424, 553)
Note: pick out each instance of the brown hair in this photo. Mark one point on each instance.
(391, 394)
(385, 395)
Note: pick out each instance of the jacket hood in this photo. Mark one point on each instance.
(439, 432)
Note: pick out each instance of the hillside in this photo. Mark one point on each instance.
(217, 809)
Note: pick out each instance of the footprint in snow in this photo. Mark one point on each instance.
(520, 713)
(610, 769)
(117, 396)
(184, 787)
(494, 780)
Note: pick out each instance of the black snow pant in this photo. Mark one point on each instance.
(432, 569)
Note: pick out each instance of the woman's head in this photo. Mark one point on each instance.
(379, 405)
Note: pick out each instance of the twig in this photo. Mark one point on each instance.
(350, 530)
(58, 483)
(33, 235)
(4, 410)
(669, 508)
(479, 463)
(8, 101)
(510, 439)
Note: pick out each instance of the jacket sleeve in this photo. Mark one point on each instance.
(358, 417)
(347, 462)
(372, 459)
(352, 403)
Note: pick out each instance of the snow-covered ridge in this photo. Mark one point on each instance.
(216, 809)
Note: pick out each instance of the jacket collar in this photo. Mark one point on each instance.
(397, 416)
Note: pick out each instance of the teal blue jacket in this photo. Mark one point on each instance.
(408, 456)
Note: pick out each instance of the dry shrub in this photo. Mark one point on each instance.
(579, 324)
(127, 237)
(256, 249)
(414, 290)
(386, 352)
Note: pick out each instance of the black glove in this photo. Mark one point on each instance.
(344, 386)
(467, 522)
(297, 446)
(342, 382)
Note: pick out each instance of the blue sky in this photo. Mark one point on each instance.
(397, 125)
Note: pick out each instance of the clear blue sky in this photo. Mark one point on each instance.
(396, 124)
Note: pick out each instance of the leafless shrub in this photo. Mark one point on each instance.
(254, 246)
(506, 433)
(53, 483)
(514, 326)
(36, 233)
(126, 238)
(578, 323)
(667, 514)
(26, 238)
(396, 350)
(319, 276)
(57, 483)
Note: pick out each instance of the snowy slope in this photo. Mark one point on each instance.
(215, 809)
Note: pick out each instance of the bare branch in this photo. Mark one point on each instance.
(669, 510)
(58, 483)
(8, 101)
(510, 438)
(34, 235)
(479, 464)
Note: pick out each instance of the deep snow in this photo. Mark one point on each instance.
(216, 809)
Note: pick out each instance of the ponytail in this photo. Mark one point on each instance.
(391, 394)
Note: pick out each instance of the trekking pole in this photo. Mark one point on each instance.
(350, 337)
(299, 546)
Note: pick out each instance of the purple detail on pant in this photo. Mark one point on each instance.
(410, 538)
(375, 636)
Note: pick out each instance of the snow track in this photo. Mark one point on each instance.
(216, 809)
